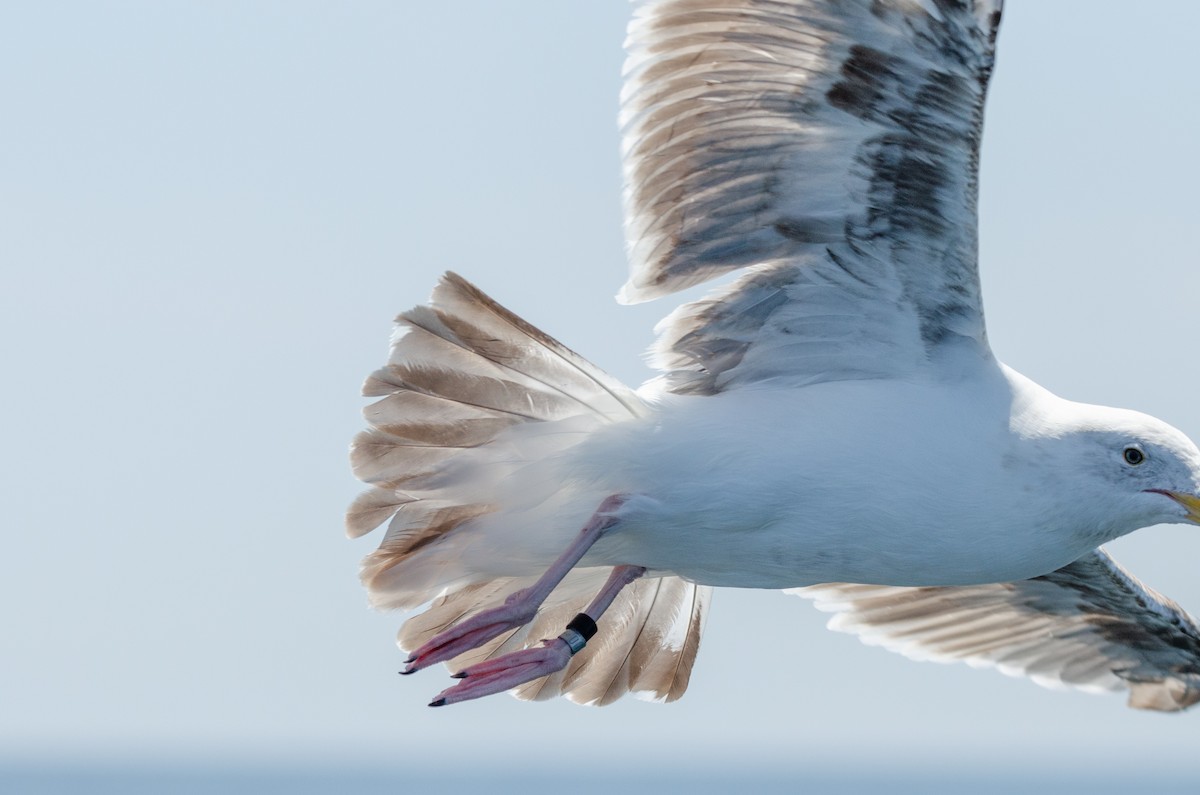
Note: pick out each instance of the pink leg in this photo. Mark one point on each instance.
(504, 673)
(519, 608)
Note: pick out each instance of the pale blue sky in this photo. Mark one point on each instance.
(211, 211)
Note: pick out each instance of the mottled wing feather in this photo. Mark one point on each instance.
(1089, 625)
(839, 136)
(790, 323)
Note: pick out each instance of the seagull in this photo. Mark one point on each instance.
(831, 421)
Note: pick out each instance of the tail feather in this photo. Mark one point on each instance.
(371, 509)
(473, 386)
(422, 522)
(649, 640)
(387, 461)
(503, 337)
(463, 377)
(656, 643)
(426, 419)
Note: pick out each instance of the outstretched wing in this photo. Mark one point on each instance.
(833, 145)
(1090, 625)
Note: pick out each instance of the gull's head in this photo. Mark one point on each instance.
(1117, 470)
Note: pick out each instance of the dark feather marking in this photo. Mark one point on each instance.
(846, 269)
(809, 230)
(710, 355)
(1083, 577)
(867, 73)
(1085, 621)
(994, 21)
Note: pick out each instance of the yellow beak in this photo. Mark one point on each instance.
(1189, 501)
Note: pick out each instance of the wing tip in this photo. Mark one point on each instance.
(631, 293)
(1163, 695)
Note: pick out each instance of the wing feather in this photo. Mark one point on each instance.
(1090, 625)
(812, 141)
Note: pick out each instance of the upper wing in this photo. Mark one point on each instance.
(833, 143)
(1089, 625)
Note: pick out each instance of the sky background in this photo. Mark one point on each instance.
(209, 214)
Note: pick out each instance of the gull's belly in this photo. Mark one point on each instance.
(835, 536)
(788, 553)
(901, 490)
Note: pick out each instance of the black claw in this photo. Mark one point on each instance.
(438, 702)
(406, 672)
(459, 675)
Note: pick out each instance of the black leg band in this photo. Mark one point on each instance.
(578, 632)
(584, 625)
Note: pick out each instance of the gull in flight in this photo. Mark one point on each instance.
(833, 421)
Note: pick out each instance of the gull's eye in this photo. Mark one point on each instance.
(1133, 456)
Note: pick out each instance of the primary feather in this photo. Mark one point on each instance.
(1090, 625)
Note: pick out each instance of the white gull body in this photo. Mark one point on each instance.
(833, 421)
(984, 478)
(848, 499)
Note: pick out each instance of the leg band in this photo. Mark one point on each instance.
(574, 641)
(584, 624)
(579, 632)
